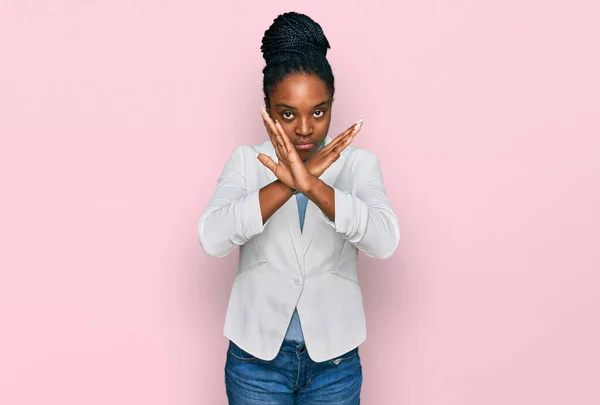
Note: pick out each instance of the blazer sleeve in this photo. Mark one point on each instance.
(365, 217)
(233, 214)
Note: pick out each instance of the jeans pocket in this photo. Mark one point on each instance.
(344, 357)
(239, 354)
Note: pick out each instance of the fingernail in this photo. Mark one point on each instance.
(276, 122)
(262, 109)
(257, 154)
(358, 123)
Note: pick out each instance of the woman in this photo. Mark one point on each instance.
(299, 206)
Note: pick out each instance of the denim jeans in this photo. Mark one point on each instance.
(292, 377)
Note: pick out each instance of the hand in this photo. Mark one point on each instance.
(325, 157)
(290, 168)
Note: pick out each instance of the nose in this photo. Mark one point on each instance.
(304, 128)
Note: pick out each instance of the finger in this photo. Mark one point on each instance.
(267, 162)
(328, 160)
(278, 153)
(287, 144)
(343, 137)
(274, 141)
(265, 115)
(339, 148)
(268, 128)
(270, 133)
(350, 136)
(281, 135)
(338, 138)
(332, 157)
(341, 145)
(270, 125)
(354, 129)
(277, 135)
(277, 143)
(276, 147)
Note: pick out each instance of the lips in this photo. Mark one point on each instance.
(304, 146)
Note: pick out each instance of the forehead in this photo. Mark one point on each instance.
(300, 90)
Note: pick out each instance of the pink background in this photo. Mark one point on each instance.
(117, 117)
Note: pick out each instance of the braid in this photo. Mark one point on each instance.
(294, 43)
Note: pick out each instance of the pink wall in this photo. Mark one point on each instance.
(117, 117)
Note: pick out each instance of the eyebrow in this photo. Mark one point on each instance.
(293, 108)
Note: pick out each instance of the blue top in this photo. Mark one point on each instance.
(294, 331)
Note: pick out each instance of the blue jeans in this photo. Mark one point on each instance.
(292, 377)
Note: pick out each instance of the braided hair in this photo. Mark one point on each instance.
(294, 43)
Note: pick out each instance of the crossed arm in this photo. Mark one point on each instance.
(364, 217)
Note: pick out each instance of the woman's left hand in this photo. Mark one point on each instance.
(290, 168)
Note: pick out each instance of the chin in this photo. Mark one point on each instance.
(305, 154)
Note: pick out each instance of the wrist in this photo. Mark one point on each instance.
(285, 187)
(309, 188)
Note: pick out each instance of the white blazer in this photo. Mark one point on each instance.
(281, 267)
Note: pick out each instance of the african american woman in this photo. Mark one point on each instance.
(299, 206)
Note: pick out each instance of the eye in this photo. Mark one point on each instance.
(288, 115)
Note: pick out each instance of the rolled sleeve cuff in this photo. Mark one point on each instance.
(250, 217)
(351, 215)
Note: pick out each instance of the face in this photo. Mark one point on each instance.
(302, 104)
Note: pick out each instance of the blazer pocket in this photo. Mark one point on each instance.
(250, 257)
(346, 277)
(349, 273)
(252, 267)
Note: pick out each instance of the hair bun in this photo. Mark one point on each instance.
(293, 32)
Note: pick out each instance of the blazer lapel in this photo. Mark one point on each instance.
(313, 213)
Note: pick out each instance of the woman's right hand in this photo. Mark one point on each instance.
(325, 157)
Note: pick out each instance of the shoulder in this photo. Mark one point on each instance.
(354, 155)
(361, 164)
